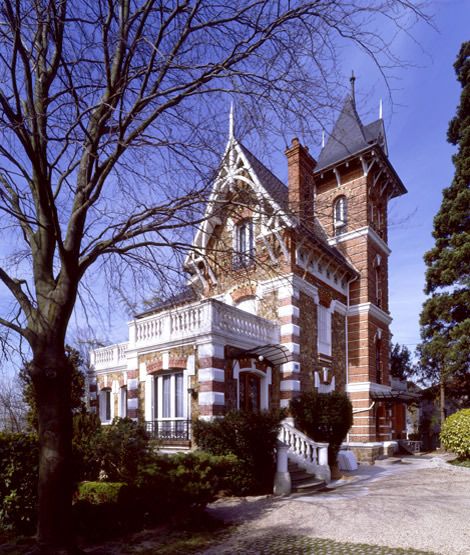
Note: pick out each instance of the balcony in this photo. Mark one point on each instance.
(185, 325)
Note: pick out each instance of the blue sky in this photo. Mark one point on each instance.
(424, 96)
(426, 100)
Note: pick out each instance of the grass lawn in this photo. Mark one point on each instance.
(461, 462)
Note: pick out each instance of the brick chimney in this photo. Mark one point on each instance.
(300, 166)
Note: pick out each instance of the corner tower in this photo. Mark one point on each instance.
(354, 182)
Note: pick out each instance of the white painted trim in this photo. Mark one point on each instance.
(290, 367)
(361, 232)
(292, 347)
(211, 375)
(288, 310)
(372, 310)
(211, 350)
(319, 275)
(211, 398)
(339, 307)
(290, 385)
(132, 384)
(290, 329)
(367, 386)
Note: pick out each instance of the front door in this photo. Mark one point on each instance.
(249, 392)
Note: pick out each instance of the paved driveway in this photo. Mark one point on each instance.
(418, 504)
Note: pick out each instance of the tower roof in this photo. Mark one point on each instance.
(350, 136)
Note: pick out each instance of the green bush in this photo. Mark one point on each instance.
(455, 434)
(120, 448)
(19, 456)
(185, 481)
(325, 417)
(252, 438)
(85, 441)
(104, 509)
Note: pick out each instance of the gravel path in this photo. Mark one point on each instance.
(419, 503)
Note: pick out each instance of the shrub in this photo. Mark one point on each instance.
(325, 417)
(178, 483)
(252, 438)
(455, 433)
(19, 458)
(85, 441)
(120, 448)
(103, 509)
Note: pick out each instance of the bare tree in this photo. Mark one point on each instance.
(12, 406)
(109, 119)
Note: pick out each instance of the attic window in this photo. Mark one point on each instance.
(244, 243)
(340, 215)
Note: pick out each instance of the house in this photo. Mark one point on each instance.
(287, 291)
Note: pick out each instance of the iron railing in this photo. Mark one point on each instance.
(169, 429)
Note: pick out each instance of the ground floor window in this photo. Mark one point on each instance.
(105, 405)
(169, 396)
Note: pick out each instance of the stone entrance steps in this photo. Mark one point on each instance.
(302, 481)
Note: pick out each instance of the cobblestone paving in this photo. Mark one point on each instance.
(299, 545)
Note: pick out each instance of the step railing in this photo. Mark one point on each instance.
(309, 454)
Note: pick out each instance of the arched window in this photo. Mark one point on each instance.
(340, 215)
(244, 242)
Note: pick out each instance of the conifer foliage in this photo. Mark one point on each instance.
(445, 318)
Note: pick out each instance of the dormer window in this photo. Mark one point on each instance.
(244, 243)
(340, 216)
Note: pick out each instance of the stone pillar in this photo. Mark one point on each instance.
(288, 313)
(282, 479)
(211, 379)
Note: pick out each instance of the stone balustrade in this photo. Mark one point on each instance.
(304, 451)
(109, 357)
(187, 323)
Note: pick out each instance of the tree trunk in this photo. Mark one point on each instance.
(442, 400)
(51, 379)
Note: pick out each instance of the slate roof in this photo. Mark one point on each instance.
(186, 295)
(273, 185)
(279, 192)
(350, 136)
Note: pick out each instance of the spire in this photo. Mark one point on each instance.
(380, 110)
(231, 125)
(352, 80)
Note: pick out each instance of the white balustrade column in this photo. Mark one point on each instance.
(282, 479)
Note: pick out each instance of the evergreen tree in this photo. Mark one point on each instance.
(445, 318)
(401, 366)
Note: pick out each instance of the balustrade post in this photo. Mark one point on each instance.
(323, 456)
(282, 479)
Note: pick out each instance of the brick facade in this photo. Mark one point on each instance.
(289, 257)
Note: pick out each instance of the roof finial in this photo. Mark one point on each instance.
(352, 80)
(323, 138)
(231, 125)
(380, 109)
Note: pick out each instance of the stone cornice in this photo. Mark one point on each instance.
(361, 232)
(372, 310)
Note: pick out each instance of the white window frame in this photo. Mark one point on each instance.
(244, 246)
(105, 396)
(340, 213)
(161, 410)
(324, 330)
(122, 409)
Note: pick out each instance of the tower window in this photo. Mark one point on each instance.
(340, 216)
(244, 243)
